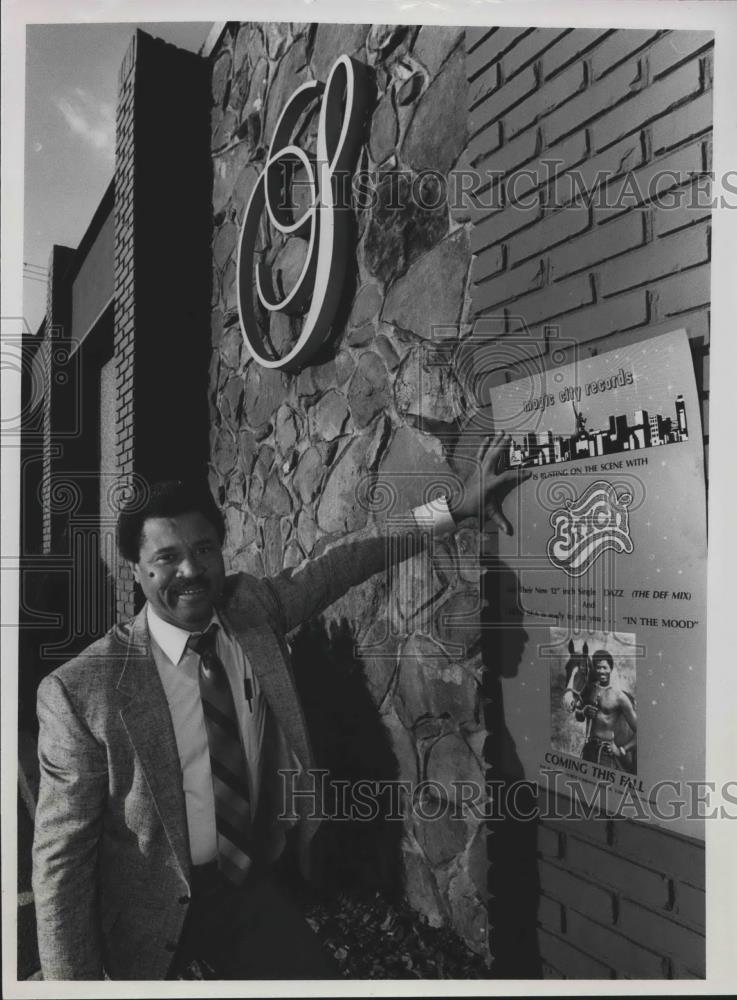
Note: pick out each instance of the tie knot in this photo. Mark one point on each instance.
(203, 643)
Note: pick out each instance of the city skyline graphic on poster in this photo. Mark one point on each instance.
(554, 420)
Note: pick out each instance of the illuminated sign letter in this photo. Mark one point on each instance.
(325, 224)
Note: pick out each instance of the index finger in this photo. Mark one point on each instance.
(487, 445)
(501, 441)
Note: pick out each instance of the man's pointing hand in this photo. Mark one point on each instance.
(489, 482)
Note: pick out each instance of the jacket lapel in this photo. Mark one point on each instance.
(147, 720)
(266, 656)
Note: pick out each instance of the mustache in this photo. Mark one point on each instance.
(179, 588)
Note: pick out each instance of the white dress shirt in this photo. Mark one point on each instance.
(178, 669)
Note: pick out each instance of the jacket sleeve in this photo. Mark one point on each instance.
(303, 591)
(68, 827)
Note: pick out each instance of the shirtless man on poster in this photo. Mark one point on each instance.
(606, 709)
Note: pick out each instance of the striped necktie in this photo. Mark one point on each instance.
(227, 760)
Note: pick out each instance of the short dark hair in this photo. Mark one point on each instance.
(165, 499)
(602, 654)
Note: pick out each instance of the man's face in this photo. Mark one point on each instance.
(603, 672)
(180, 568)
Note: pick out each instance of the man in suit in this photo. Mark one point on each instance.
(162, 748)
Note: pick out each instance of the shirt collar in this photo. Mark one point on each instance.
(171, 639)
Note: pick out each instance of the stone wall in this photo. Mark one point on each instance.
(291, 454)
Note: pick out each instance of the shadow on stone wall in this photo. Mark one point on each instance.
(513, 884)
(351, 742)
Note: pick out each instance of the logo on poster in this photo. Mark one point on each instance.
(589, 525)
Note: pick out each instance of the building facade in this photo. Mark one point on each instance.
(509, 190)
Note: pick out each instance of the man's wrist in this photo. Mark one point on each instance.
(436, 517)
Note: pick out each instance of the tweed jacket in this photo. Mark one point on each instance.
(112, 871)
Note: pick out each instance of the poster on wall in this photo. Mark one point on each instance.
(602, 588)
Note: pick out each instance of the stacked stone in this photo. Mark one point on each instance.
(292, 456)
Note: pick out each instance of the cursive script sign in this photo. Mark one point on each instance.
(584, 528)
(325, 224)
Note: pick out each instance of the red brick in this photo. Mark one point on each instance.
(681, 293)
(483, 86)
(572, 46)
(656, 260)
(559, 813)
(563, 155)
(619, 952)
(696, 325)
(488, 328)
(578, 893)
(645, 106)
(615, 871)
(554, 301)
(530, 48)
(573, 963)
(592, 102)
(550, 96)
(552, 229)
(543, 172)
(485, 143)
(511, 155)
(691, 904)
(548, 842)
(489, 262)
(602, 320)
(686, 211)
(597, 170)
(676, 46)
(475, 36)
(679, 972)
(550, 914)
(500, 224)
(662, 934)
(691, 119)
(616, 48)
(548, 972)
(668, 852)
(509, 285)
(653, 180)
(492, 48)
(602, 243)
(503, 98)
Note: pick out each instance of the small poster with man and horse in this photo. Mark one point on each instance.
(593, 711)
(599, 597)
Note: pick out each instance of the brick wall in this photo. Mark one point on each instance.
(162, 230)
(124, 329)
(626, 115)
(623, 119)
(619, 899)
(59, 387)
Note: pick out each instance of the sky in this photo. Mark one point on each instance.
(71, 95)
